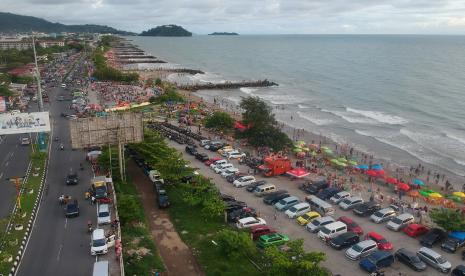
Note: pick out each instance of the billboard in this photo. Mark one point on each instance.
(24, 123)
(2, 104)
(113, 129)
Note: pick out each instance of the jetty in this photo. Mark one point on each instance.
(134, 57)
(227, 85)
(141, 61)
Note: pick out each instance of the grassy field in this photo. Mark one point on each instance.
(198, 233)
(140, 255)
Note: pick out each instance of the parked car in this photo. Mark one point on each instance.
(376, 261)
(25, 141)
(221, 168)
(202, 157)
(249, 222)
(414, 230)
(433, 236)
(286, 203)
(211, 161)
(352, 226)
(244, 212)
(382, 243)
(297, 210)
(400, 222)
(344, 240)
(260, 230)
(274, 239)
(316, 186)
(244, 181)
(434, 259)
(458, 271)
(218, 163)
(72, 209)
(204, 142)
(98, 242)
(232, 177)
(229, 172)
(307, 217)
(226, 197)
(315, 225)
(191, 149)
(410, 259)
(162, 198)
(72, 179)
(236, 155)
(454, 241)
(339, 197)
(383, 215)
(350, 203)
(361, 249)
(234, 205)
(367, 208)
(103, 214)
(272, 198)
(332, 230)
(251, 187)
(328, 193)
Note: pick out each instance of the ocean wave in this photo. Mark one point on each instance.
(460, 162)
(248, 90)
(301, 106)
(314, 120)
(350, 119)
(281, 99)
(456, 138)
(379, 116)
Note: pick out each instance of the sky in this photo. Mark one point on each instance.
(256, 16)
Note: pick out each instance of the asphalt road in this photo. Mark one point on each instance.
(335, 260)
(60, 246)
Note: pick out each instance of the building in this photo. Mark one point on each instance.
(51, 43)
(25, 70)
(13, 43)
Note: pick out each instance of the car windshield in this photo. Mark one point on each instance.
(282, 202)
(316, 222)
(415, 259)
(382, 241)
(396, 221)
(103, 214)
(292, 209)
(357, 248)
(378, 214)
(325, 230)
(306, 216)
(98, 243)
(441, 260)
(346, 201)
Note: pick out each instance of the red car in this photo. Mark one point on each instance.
(383, 244)
(260, 230)
(352, 226)
(415, 230)
(211, 160)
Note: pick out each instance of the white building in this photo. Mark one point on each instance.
(50, 43)
(13, 43)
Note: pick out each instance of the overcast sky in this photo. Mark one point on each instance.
(257, 16)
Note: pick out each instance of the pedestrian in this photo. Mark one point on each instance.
(275, 215)
(92, 200)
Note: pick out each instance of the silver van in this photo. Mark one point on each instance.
(434, 259)
(361, 249)
(315, 225)
(400, 222)
(320, 206)
(103, 214)
(264, 189)
(286, 203)
(101, 268)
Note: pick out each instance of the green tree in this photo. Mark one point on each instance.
(158, 81)
(220, 121)
(293, 260)
(170, 95)
(5, 91)
(129, 209)
(235, 244)
(448, 219)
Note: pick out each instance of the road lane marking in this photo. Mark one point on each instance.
(1, 175)
(66, 222)
(7, 163)
(59, 252)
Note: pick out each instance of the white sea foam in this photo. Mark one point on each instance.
(351, 119)
(379, 116)
(248, 90)
(456, 138)
(281, 99)
(460, 162)
(302, 106)
(314, 120)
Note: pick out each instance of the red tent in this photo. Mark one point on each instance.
(374, 173)
(403, 186)
(239, 126)
(392, 180)
(298, 173)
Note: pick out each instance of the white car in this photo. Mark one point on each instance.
(204, 142)
(244, 181)
(98, 243)
(235, 155)
(350, 203)
(225, 152)
(223, 167)
(339, 197)
(218, 163)
(249, 222)
(229, 172)
(63, 85)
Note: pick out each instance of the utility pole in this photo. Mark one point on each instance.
(39, 88)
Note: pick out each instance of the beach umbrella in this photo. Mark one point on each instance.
(342, 165)
(435, 195)
(403, 186)
(362, 167)
(392, 180)
(414, 193)
(313, 146)
(352, 162)
(418, 182)
(300, 143)
(376, 167)
(300, 154)
(313, 153)
(459, 194)
(298, 172)
(342, 160)
(324, 148)
(372, 173)
(297, 150)
(305, 149)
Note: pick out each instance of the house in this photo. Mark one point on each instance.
(14, 43)
(51, 43)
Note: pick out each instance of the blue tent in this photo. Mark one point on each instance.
(418, 182)
(376, 167)
(362, 167)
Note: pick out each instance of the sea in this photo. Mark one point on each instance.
(398, 97)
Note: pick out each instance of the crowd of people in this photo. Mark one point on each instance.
(111, 94)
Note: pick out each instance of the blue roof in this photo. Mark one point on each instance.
(458, 235)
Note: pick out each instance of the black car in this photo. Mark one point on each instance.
(410, 259)
(241, 213)
(215, 147)
(367, 208)
(72, 209)
(433, 236)
(72, 179)
(234, 205)
(314, 187)
(163, 201)
(226, 197)
(344, 240)
(451, 244)
(328, 193)
(251, 187)
(201, 157)
(458, 271)
(191, 149)
(234, 176)
(272, 198)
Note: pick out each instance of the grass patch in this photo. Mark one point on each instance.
(140, 254)
(198, 232)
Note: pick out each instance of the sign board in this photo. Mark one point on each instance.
(2, 104)
(24, 123)
(112, 129)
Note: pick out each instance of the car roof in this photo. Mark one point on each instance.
(290, 198)
(353, 198)
(385, 210)
(98, 233)
(430, 252)
(366, 243)
(247, 219)
(404, 216)
(301, 204)
(407, 252)
(415, 225)
(326, 218)
(375, 235)
(380, 254)
(345, 219)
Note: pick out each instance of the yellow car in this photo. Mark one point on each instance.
(225, 149)
(308, 217)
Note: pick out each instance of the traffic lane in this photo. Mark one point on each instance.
(14, 160)
(336, 260)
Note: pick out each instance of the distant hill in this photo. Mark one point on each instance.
(167, 30)
(12, 23)
(223, 33)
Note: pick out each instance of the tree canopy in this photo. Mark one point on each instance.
(262, 128)
(220, 121)
(167, 30)
(448, 219)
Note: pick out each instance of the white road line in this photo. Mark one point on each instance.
(1, 175)
(6, 164)
(59, 252)
(66, 222)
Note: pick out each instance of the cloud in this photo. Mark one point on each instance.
(256, 16)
